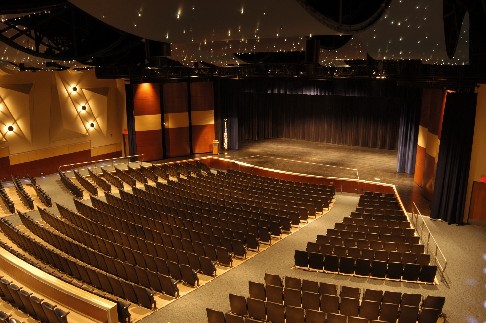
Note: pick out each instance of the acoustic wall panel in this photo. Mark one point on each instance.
(202, 116)
(148, 120)
(176, 119)
(432, 111)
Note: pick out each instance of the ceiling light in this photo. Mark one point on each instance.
(74, 88)
(10, 128)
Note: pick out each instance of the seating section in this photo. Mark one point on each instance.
(122, 305)
(149, 173)
(31, 304)
(125, 177)
(69, 184)
(135, 173)
(375, 241)
(22, 193)
(99, 181)
(50, 254)
(6, 199)
(112, 179)
(294, 300)
(85, 183)
(41, 194)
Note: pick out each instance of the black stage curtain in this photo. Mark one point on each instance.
(345, 112)
(454, 158)
(132, 142)
(353, 121)
(408, 130)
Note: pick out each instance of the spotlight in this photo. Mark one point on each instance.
(83, 107)
(74, 88)
(10, 128)
(91, 125)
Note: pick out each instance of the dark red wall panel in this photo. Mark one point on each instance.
(177, 142)
(146, 99)
(202, 138)
(149, 143)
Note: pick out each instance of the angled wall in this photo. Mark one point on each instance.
(58, 118)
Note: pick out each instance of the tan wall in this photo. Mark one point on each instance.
(47, 116)
(478, 154)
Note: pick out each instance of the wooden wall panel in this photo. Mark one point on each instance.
(477, 209)
(148, 124)
(418, 176)
(146, 99)
(177, 142)
(175, 97)
(4, 167)
(150, 144)
(202, 138)
(202, 96)
(176, 118)
(202, 116)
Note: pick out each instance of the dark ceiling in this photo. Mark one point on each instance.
(150, 39)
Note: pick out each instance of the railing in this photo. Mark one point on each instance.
(431, 246)
(104, 162)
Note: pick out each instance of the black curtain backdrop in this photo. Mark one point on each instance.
(132, 142)
(408, 130)
(346, 112)
(454, 158)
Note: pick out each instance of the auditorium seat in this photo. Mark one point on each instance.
(295, 314)
(238, 305)
(256, 309)
(215, 316)
(275, 312)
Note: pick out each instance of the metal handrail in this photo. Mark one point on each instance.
(112, 160)
(427, 238)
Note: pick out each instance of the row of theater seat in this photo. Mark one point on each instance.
(6, 199)
(136, 174)
(410, 272)
(41, 194)
(371, 241)
(79, 270)
(229, 218)
(370, 253)
(181, 235)
(212, 206)
(125, 262)
(125, 177)
(92, 189)
(122, 304)
(99, 181)
(69, 184)
(217, 186)
(152, 237)
(112, 179)
(309, 301)
(322, 189)
(196, 198)
(22, 193)
(226, 182)
(31, 304)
